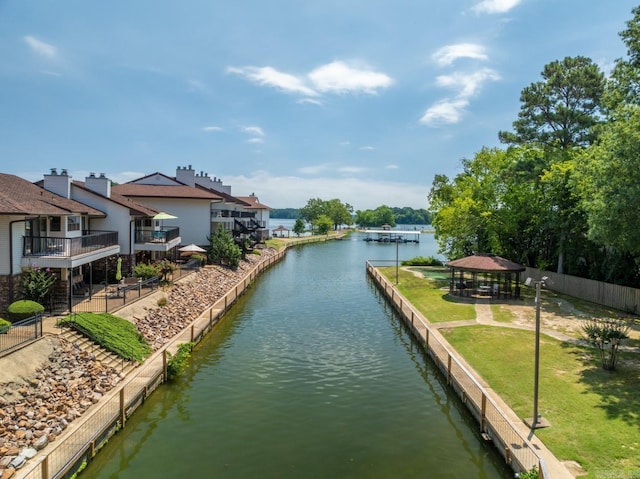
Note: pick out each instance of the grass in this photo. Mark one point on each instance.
(594, 414)
(426, 295)
(111, 332)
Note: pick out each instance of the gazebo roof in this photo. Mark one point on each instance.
(280, 228)
(485, 262)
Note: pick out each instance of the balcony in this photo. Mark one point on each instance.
(56, 252)
(162, 239)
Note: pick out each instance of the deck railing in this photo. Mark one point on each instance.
(162, 235)
(68, 247)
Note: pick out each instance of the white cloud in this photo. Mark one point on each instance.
(338, 77)
(362, 194)
(345, 143)
(449, 54)
(269, 76)
(255, 140)
(495, 6)
(211, 128)
(468, 84)
(313, 169)
(253, 130)
(351, 169)
(310, 101)
(44, 49)
(444, 111)
(392, 167)
(367, 148)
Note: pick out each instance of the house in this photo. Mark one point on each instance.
(260, 214)
(200, 204)
(45, 228)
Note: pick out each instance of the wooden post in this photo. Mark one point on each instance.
(122, 411)
(448, 368)
(483, 415)
(164, 365)
(192, 332)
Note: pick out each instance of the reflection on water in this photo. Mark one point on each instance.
(310, 375)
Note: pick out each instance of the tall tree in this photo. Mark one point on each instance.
(624, 85)
(560, 111)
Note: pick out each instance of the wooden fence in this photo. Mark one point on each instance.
(614, 296)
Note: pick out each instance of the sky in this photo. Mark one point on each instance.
(360, 100)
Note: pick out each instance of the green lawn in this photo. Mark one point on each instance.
(426, 294)
(594, 414)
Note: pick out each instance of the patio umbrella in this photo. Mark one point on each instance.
(191, 248)
(119, 269)
(163, 216)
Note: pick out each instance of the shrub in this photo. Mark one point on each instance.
(147, 270)
(422, 261)
(37, 284)
(178, 362)
(162, 301)
(23, 309)
(4, 325)
(606, 335)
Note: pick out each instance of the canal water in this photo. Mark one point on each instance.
(310, 375)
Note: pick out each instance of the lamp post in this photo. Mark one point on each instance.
(537, 421)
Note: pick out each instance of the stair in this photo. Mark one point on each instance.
(102, 355)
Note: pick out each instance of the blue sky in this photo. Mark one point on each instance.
(361, 100)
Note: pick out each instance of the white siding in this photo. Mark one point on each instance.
(16, 241)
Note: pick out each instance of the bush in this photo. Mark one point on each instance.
(4, 325)
(162, 301)
(23, 309)
(37, 284)
(607, 335)
(146, 270)
(422, 261)
(176, 364)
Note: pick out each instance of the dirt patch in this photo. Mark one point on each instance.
(20, 366)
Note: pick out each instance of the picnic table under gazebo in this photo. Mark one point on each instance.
(280, 231)
(485, 275)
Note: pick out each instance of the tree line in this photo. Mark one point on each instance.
(364, 218)
(564, 192)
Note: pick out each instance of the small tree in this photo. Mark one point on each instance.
(298, 227)
(323, 224)
(607, 335)
(37, 284)
(222, 249)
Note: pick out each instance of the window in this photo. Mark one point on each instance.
(54, 223)
(73, 223)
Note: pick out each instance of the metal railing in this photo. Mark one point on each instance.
(162, 235)
(68, 247)
(494, 422)
(114, 296)
(20, 333)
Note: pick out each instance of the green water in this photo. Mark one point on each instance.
(311, 375)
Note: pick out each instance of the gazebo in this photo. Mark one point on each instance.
(485, 275)
(279, 232)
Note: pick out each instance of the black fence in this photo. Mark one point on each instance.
(19, 333)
